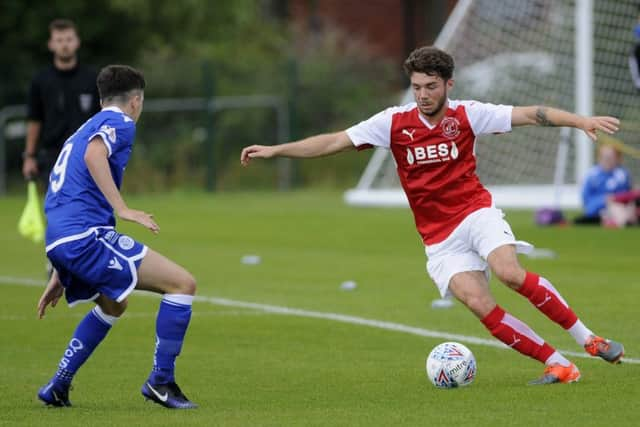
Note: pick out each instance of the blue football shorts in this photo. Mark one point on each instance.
(98, 261)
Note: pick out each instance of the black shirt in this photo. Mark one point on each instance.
(62, 100)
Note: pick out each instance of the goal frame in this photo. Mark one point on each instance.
(559, 194)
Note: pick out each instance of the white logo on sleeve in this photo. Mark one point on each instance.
(110, 132)
(114, 264)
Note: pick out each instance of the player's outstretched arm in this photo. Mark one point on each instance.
(96, 159)
(547, 116)
(314, 146)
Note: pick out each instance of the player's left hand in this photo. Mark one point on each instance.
(140, 217)
(51, 295)
(605, 124)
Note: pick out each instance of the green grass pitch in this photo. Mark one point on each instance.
(246, 366)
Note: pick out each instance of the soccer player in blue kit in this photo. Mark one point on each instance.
(92, 261)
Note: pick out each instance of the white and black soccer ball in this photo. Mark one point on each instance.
(451, 365)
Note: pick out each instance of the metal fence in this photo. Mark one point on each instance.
(205, 107)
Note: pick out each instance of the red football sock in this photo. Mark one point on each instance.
(517, 335)
(547, 299)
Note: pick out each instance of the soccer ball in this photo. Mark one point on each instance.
(451, 365)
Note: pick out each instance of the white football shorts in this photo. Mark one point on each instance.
(469, 245)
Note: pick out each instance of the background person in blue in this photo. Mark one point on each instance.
(606, 178)
(92, 261)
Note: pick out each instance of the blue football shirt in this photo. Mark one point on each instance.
(74, 203)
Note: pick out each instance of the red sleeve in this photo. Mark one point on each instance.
(627, 196)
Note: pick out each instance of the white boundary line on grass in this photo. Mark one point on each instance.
(23, 281)
(343, 318)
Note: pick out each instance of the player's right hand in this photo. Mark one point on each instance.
(30, 168)
(256, 151)
(51, 294)
(140, 217)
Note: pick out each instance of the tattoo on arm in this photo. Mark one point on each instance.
(541, 117)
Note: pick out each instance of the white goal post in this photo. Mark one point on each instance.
(571, 54)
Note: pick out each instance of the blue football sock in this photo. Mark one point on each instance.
(89, 333)
(171, 326)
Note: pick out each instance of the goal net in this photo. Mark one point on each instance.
(568, 54)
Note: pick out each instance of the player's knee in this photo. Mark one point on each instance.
(512, 275)
(480, 305)
(188, 285)
(120, 308)
(115, 309)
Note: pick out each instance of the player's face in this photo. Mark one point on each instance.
(608, 158)
(430, 92)
(64, 44)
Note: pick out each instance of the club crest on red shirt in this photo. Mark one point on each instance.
(450, 127)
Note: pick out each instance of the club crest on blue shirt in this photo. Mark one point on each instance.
(110, 132)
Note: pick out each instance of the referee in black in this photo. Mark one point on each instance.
(61, 98)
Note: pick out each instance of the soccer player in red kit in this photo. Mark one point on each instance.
(433, 143)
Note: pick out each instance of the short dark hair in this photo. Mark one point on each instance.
(431, 61)
(62, 24)
(116, 81)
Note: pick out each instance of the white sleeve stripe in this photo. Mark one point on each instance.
(105, 140)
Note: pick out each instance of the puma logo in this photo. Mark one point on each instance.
(547, 297)
(516, 340)
(409, 134)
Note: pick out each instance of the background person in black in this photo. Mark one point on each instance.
(61, 98)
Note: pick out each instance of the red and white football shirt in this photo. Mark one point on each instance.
(436, 164)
